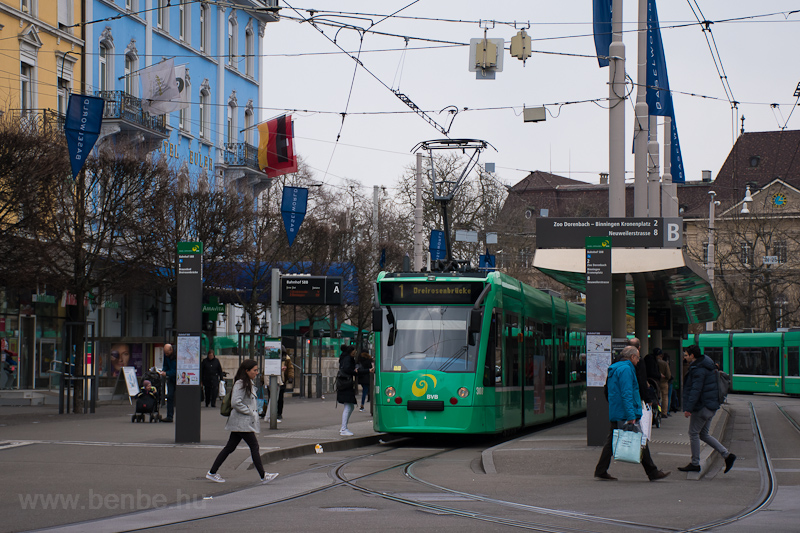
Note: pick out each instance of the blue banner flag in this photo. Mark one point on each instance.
(659, 98)
(676, 161)
(82, 128)
(438, 247)
(487, 262)
(602, 29)
(293, 210)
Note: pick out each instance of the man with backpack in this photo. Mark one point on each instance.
(700, 403)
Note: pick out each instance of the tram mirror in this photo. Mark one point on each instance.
(377, 320)
(475, 319)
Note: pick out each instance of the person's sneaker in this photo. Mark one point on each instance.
(605, 476)
(280, 420)
(346, 433)
(729, 462)
(168, 420)
(214, 477)
(659, 475)
(691, 468)
(268, 477)
(361, 409)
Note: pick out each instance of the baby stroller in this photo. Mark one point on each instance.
(654, 397)
(148, 399)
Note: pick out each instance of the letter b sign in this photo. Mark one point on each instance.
(673, 233)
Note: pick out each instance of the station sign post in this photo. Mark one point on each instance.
(598, 336)
(187, 349)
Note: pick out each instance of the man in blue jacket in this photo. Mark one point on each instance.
(624, 407)
(700, 402)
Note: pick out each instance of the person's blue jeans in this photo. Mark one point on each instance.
(171, 398)
(348, 410)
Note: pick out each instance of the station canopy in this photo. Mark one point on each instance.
(673, 279)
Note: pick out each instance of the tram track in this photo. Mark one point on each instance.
(565, 521)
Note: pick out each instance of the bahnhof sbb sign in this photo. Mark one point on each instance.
(624, 232)
(311, 290)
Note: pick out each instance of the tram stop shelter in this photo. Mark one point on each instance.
(673, 280)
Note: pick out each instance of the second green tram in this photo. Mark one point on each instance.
(756, 362)
(474, 353)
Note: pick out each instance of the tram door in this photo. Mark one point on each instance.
(27, 352)
(791, 362)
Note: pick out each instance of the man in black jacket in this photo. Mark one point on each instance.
(700, 402)
(210, 374)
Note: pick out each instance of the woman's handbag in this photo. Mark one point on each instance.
(225, 407)
(628, 443)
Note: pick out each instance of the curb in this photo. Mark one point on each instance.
(310, 449)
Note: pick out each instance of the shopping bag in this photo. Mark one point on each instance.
(222, 389)
(646, 422)
(627, 445)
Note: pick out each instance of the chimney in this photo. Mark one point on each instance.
(604, 178)
(706, 176)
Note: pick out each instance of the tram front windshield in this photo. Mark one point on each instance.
(427, 338)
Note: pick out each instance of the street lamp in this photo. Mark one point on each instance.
(710, 250)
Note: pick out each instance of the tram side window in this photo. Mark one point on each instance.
(793, 362)
(761, 361)
(511, 350)
(546, 334)
(716, 355)
(533, 347)
(490, 370)
(562, 356)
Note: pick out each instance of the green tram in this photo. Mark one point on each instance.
(756, 362)
(474, 353)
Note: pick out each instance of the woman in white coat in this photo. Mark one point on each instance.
(242, 422)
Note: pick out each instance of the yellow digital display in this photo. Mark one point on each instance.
(448, 293)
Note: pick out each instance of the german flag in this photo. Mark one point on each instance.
(275, 147)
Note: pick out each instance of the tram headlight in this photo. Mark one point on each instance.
(463, 392)
(390, 392)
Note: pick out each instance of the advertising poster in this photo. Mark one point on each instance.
(272, 357)
(188, 351)
(130, 380)
(112, 357)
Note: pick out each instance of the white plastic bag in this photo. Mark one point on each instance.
(222, 390)
(646, 422)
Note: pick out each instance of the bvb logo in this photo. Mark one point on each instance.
(422, 388)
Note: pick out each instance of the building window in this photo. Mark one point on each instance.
(102, 72)
(162, 15)
(249, 43)
(25, 86)
(231, 125)
(203, 114)
(232, 44)
(185, 30)
(203, 28)
(64, 15)
(128, 76)
(746, 253)
(706, 257)
(248, 126)
(780, 250)
(63, 96)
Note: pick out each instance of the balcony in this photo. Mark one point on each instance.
(123, 114)
(38, 119)
(240, 164)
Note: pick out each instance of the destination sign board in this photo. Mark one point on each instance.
(311, 290)
(445, 293)
(626, 232)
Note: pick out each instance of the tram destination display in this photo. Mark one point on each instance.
(451, 293)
